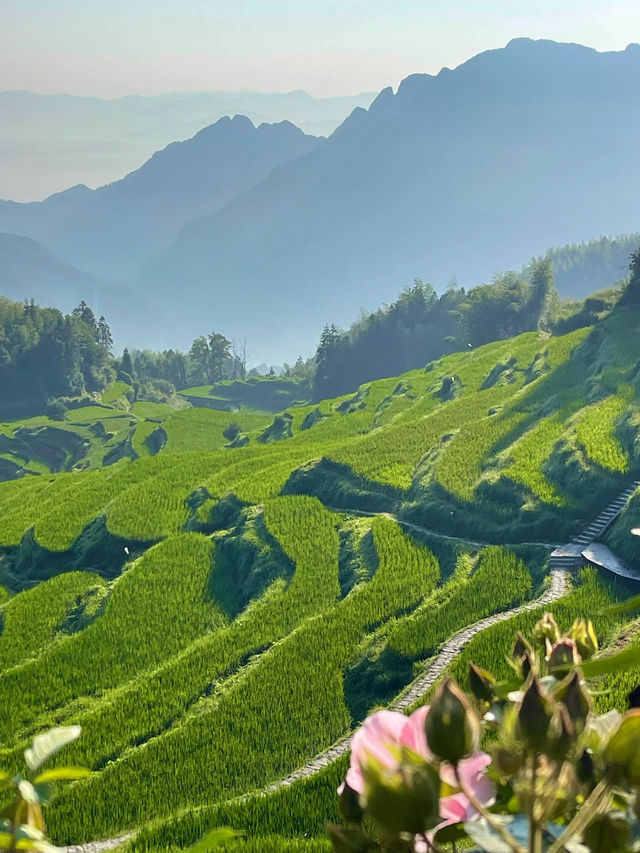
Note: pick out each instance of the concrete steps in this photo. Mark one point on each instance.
(569, 556)
(597, 527)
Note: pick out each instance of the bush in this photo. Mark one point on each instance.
(232, 431)
(56, 409)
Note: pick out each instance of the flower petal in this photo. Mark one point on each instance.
(469, 768)
(455, 808)
(372, 738)
(413, 734)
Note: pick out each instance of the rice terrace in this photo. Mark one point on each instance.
(290, 606)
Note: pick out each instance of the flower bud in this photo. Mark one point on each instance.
(349, 806)
(575, 699)
(606, 832)
(622, 752)
(520, 647)
(585, 768)
(563, 657)
(527, 665)
(345, 840)
(452, 727)
(561, 734)
(584, 636)
(547, 629)
(534, 716)
(481, 683)
(507, 761)
(404, 799)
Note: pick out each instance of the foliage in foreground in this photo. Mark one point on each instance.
(558, 777)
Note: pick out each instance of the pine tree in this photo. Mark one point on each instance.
(103, 335)
(84, 313)
(631, 294)
(126, 365)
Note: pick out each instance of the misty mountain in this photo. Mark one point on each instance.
(114, 230)
(48, 142)
(454, 175)
(29, 270)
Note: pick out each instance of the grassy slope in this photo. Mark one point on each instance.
(186, 703)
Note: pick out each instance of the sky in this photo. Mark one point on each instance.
(110, 48)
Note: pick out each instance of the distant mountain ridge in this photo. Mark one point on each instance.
(516, 150)
(49, 142)
(114, 230)
(453, 176)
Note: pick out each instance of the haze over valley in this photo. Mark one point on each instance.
(319, 427)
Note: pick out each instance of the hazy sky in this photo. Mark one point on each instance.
(328, 47)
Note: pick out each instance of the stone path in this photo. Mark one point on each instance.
(429, 676)
(433, 670)
(434, 533)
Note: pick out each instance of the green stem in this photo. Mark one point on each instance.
(497, 827)
(535, 837)
(590, 807)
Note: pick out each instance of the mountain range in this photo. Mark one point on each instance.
(50, 142)
(454, 175)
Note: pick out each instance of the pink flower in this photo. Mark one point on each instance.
(384, 732)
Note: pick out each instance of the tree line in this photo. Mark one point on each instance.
(421, 326)
(46, 354)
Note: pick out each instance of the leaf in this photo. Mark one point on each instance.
(47, 744)
(480, 832)
(62, 773)
(451, 833)
(626, 659)
(42, 845)
(214, 839)
(572, 845)
(28, 792)
(624, 606)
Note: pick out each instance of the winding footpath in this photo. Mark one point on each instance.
(434, 669)
(415, 691)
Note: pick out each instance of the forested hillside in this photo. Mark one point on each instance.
(215, 612)
(425, 183)
(243, 222)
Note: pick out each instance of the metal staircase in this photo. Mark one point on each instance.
(570, 556)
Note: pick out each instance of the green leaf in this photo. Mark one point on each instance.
(62, 773)
(47, 744)
(622, 752)
(6, 840)
(624, 606)
(626, 659)
(42, 845)
(214, 839)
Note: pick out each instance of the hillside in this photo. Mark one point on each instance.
(121, 226)
(53, 141)
(217, 615)
(426, 182)
(29, 270)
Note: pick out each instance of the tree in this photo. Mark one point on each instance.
(631, 293)
(84, 313)
(103, 335)
(199, 360)
(126, 365)
(219, 353)
(542, 291)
